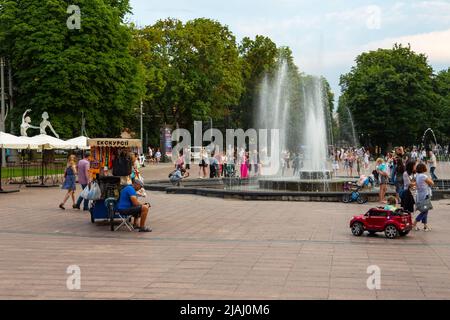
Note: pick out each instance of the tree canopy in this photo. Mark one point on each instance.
(392, 96)
(66, 72)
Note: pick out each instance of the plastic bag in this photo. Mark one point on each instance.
(85, 193)
(95, 193)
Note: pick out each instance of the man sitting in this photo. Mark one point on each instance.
(129, 204)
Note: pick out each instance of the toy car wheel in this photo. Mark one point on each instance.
(357, 229)
(404, 233)
(391, 231)
(361, 199)
(346, 198)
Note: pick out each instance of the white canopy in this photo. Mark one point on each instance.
(48, 142)
(79, 143)
(9, 141)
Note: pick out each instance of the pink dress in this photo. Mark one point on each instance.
(244, 169)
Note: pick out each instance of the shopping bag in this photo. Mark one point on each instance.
(95, 193)
(85, 193)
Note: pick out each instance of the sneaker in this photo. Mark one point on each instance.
(62, 206)
(427, 229)
(76, 207)
(417, 229)
(145, 229)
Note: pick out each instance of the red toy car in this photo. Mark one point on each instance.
(378, 220)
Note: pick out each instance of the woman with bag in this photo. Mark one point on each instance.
(70, 181)
(409, 184)
(423, 203)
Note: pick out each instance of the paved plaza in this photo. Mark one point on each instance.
(210, 248)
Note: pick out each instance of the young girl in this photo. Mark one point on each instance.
(383, 177)
(70, 181)
(391, 204)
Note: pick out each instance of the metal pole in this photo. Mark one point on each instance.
(2, 114)
(142, 126)
(10, 87)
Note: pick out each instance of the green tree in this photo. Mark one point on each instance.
(442, 85)
(390, 95)
(66, 71)
(192, 70)
(259, 56)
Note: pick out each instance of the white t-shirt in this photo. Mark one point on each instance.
(432, 161)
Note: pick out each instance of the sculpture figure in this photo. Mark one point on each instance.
(45, 123)
(26, 120)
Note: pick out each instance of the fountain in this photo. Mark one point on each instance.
(434, 136)
(350, 117)
(274, 112)
(315, 132)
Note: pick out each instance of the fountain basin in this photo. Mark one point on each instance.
(312, 185)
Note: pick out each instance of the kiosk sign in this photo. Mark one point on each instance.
(115, 143)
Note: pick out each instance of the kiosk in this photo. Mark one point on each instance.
(110, 168)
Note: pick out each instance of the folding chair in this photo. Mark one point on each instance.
(125, 221)
(113, 213)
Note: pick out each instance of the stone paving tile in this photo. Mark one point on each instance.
(208, 248)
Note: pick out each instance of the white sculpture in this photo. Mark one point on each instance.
(45, 123)
(26, 124)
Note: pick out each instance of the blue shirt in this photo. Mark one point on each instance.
(125, 195)
(176, 176)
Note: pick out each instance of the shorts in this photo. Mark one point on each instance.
(133, 211)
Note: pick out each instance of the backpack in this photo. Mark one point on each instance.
(122, 166)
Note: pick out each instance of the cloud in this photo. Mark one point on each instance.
(435, 45)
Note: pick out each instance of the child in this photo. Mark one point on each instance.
(391, 204)
(383, 177)
(336, 165)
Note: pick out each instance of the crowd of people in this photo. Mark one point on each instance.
(407, 172)
(403, 169)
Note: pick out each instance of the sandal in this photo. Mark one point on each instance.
(145, 229)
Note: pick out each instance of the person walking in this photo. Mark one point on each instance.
(409, 185)
(432, 163)
(83, 179)
(203, 164)
(424, 184)
(70, 181)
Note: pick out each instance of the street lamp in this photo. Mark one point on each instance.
(2, 98)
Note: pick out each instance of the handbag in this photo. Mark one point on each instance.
(424, 205)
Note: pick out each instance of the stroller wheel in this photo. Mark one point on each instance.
(346, 198)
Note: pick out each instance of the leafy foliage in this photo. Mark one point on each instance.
(391, 96)
(66, 71)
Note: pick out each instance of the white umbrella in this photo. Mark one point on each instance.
(79, 143)
(9, 141)
(48, 142)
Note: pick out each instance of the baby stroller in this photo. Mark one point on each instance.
(230, 171)
(352, 193)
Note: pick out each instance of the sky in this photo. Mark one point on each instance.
(325, 35)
